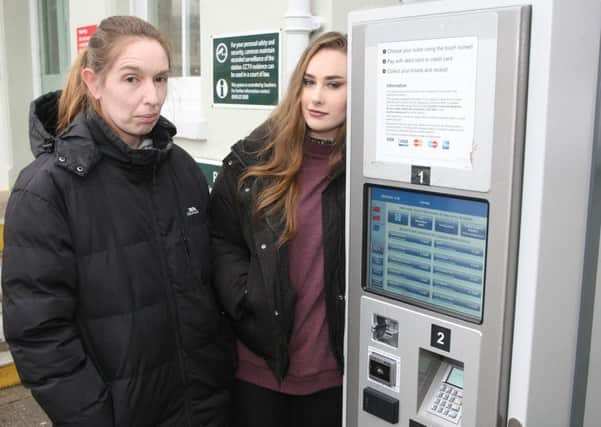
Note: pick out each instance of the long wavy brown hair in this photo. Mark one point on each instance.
(279, 195)
(108, 39)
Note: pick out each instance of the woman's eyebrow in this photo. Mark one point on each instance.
(332, 77)
(139, 70)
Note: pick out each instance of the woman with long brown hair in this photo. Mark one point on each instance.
(277, 212)
(107, 301)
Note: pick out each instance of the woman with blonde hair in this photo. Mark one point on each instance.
(278, 249)
(107, 299)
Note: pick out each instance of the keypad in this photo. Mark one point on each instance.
(448, 403)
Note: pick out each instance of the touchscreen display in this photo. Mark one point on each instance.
(427, 249)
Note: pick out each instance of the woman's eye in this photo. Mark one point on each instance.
(161, 79)
(307, 82)
(130, 79)
(334, 85)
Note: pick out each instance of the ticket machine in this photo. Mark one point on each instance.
(436, 131)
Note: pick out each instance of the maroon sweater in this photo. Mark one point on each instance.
(312, 363)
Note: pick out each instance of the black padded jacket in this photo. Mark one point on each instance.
(251, 274)
(107, 300)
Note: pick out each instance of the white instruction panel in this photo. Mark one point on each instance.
(425, 105)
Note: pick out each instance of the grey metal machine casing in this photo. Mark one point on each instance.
(483, 347)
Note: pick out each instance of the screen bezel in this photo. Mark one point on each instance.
(402, 298)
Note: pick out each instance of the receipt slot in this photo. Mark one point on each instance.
(435, 143)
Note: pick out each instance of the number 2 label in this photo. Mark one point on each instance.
(440, 337)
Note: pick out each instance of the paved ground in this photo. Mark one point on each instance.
(19, 409)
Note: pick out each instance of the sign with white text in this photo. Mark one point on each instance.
(83, 35)
(246, 70)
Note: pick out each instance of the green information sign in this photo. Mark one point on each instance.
(246, 69)
(210, 170)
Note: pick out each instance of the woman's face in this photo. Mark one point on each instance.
(133, 90)
(323, 97)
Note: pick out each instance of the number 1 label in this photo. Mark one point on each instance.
(420, 175)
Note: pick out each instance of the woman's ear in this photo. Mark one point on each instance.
(91, 81)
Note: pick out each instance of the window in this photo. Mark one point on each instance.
(179, 20)
(54, 55)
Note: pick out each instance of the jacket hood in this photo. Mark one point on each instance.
(43, 118)
(83, 143)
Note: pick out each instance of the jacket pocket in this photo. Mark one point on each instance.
(256, 328)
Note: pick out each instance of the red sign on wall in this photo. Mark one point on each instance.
(83, 36)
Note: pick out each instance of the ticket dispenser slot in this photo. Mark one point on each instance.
(385, 330)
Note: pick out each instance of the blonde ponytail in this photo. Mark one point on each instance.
(74, 97)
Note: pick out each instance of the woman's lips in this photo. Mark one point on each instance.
(316, 113)
(148, 118)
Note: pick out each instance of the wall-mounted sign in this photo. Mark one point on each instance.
(246, 70)
(83, 36)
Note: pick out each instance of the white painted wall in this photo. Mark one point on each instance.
(5, 123)
(83, 13)
(19, 88)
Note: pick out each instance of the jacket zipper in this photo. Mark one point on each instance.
(172, 306)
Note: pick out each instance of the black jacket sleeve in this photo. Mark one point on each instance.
(39, 280)
(231, 257)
